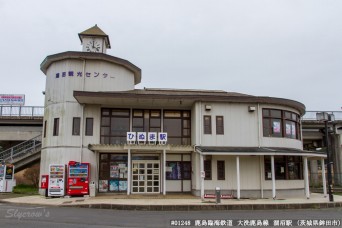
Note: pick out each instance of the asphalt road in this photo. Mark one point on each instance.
(37, 216)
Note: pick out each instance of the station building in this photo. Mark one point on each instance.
(160, 141)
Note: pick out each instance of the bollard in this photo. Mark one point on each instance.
(218, 195)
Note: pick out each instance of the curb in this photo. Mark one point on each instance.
(208, 207)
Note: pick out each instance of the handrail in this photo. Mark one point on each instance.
(311, 115)
(21, 149)
(21, 111)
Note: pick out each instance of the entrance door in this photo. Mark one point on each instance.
(145, 176)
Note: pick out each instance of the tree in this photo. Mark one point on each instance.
(32, 174)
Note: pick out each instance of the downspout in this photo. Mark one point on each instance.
(260, 157)
(259, 126)
(82, 110)
(200, 124)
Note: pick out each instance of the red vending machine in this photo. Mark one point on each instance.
(78, 178)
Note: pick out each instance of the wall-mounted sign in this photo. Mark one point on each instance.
(12, 99)
(80, 74)
(143, 137)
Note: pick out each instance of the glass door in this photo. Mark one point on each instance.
(145, 176)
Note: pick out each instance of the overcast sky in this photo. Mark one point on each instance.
(280, 48)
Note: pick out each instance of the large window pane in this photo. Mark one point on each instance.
(89, 126)
(207, 124)
(173, 127)
(76, 123)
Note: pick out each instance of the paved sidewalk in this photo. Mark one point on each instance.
(178, 202)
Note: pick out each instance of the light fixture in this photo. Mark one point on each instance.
(207, 107)
(251, 108)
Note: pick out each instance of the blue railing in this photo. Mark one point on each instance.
(21, 111)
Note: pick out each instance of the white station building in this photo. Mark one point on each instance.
(160, 141)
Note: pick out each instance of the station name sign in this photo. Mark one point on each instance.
(12, 99)
(147, 137)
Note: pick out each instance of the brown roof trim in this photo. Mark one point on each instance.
(91, 56)
(196, 96)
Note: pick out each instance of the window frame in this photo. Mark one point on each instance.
(106, 137)
(285, 119)
(219, 127)
(45, 124)
(285, 160)
(89, 128)
(76, 130)
(207, 125)
(208, 169)
(184, 136)
(181, 164)
(221, 169)
(55, 127)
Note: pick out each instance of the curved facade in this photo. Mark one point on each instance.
(159, 141)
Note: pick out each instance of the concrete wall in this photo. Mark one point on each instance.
(19, 133)
(60, 103)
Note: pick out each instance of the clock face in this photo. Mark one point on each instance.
(93, 46)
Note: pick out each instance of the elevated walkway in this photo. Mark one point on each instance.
(23, 154)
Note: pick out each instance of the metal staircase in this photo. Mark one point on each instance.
(23, 154)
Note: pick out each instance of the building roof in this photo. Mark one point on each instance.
(95, 31)
(216, 150)
(91, 56)
(178, 98)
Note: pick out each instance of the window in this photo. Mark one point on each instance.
(278, 123)
(285, 168)
(55, 126)
(219, 125)
(220, 170)
(177, 125)
(76, 123)
(115, 123)
(207, 124)
(207, 169)
(113, 173)
(89, 126)
(178, 170)
(146, 121)
(45, 128)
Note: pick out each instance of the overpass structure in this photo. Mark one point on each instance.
(21, 135)
(313, 139)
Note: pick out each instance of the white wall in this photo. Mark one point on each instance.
(61, 89)
(241, 127)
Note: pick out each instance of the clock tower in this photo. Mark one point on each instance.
(94, 40)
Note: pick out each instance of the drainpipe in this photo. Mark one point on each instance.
(82, 110)
(261, 164)
(306, 178)
(324, 182)
(259, 126)
(273, 178)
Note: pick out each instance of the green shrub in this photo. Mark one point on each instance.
(25, 189)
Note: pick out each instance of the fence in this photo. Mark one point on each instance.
(316, 179)
(22, 111)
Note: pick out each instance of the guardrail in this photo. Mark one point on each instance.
(21, 149)
(311, 115)
(22, 111)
